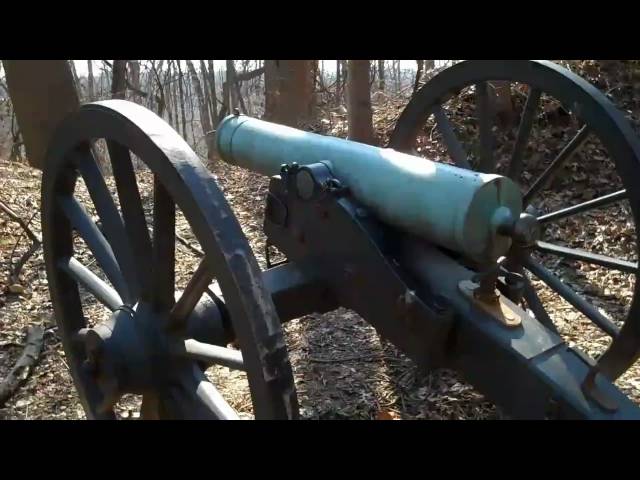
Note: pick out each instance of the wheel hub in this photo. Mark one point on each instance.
(131, 351)
(123, 351)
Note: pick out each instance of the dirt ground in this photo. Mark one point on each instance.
(342, 369)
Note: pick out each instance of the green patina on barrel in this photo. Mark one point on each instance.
(452, 207)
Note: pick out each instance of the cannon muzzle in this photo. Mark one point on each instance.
(464, 211)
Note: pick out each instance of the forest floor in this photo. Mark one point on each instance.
(342, 369)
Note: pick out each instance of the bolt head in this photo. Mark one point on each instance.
(305, 184)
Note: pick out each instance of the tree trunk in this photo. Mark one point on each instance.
(134, 70)
(42, 94)
(214, 95)
(338, 82)
(271, 91)
(429, 65)
(231, 96)
(76, 80)
(359, 102)
(168, 90)
(160, 98)
(207, 94)
(205, 120)
(183, 117)
(90, 92)
(420, 64)
(345, 76)
(503, 103)
(381, 75)
(396, 64)
(188, 95)
(119, 80)
(289, 97)
(233, 79)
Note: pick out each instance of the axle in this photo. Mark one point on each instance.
(467, 212)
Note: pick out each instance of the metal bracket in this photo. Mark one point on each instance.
(501, 308)
(592, 392)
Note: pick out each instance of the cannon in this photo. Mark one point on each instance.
(444, 257)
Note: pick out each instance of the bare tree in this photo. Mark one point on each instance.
(207, 93)
(42, 93)
(359, 102)
(161, 101)
(183, 117)
(212, 86)
(205, 120)
(118, 79)
(419, 69)
(230, 94)
(381, 84)
(396, 74)
(76, 80)
(134, 75)
(90, 87)
(338, 82)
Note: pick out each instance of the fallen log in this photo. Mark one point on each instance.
(24, 366)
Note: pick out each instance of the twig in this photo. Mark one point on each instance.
(23, 367)
(14, 216)
(189, 245)
(15, 271)
(368, 358)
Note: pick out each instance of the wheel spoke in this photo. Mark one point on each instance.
(454, 147)
(526, 123)
(132, 213)
(584, 207)
(211, 397)
(194, 397)
(196, 287)
(163, 248)
(572, 297)
(487, 162)
(81, 274)
(111, 220)
(80, 220)
(588, 257)
(210, 354)
(567, 152)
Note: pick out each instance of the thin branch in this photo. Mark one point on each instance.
(16, 218)
(243, 77)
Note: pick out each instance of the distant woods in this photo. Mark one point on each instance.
(193, 96)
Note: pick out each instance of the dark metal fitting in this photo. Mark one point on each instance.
(525, 230)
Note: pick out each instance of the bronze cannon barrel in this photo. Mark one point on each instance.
(459, 209)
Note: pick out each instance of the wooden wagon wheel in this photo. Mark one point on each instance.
(140, 347)
(597, 119)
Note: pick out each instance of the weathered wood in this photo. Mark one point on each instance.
(42, 93)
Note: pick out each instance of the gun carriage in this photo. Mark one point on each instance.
(439, 256)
